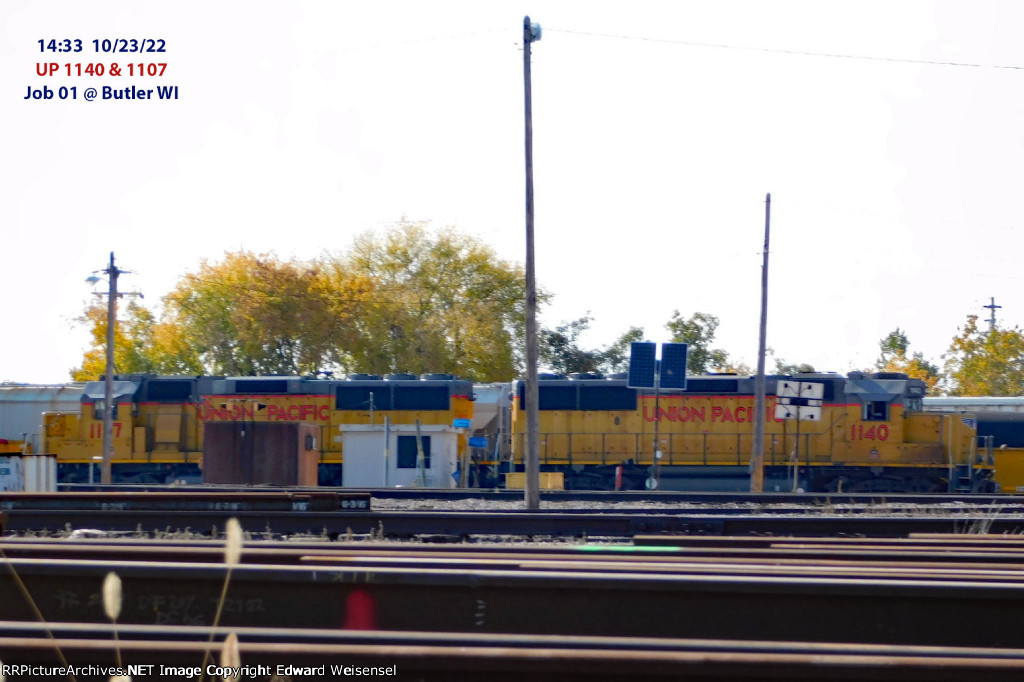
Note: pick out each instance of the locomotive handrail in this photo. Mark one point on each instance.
(673, 455)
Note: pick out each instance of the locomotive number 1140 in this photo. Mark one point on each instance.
(858, 432)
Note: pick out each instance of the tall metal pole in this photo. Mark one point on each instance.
(531, 32)
(757, 462)
(108, 391)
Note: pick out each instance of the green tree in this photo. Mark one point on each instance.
(893, 344)
(698, 332)
(559, 350)
(789, 368)
(981, 363)
(615, 357)
(738, 367)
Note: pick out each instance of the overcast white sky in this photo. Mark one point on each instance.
(659, 128)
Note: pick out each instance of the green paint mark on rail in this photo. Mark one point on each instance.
(627, 548)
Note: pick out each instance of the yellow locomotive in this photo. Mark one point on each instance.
(158, 421)
(872, 435)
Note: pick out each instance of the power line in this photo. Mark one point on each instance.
(421, 41)
(801, 53)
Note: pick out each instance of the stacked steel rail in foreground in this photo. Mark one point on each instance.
(937, 607)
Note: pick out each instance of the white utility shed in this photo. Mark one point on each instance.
(364, 454)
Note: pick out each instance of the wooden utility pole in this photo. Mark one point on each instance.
(531, 32)
(112, 272)
(108, 382)
(757, 460)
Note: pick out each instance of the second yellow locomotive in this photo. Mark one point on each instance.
(873, 435)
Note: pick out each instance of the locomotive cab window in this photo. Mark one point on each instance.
(407, 452)
(876, 411)
(97, 410)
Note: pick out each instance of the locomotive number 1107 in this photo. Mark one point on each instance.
(96, 430)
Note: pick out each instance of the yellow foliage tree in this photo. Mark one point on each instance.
(985, 363)
(895, 357)
(254, 314)
(408, 301)
(435, 302)
(141, 345)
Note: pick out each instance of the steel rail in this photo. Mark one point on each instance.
(529, 600)
(399, 524)
(859, 562)
(500, 494)
(838, 560)
(446, 661)
(427, 655)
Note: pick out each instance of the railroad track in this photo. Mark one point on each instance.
(336, 514)
(458, 526)
(595, 591)
(588, 496)
(699, 608)
(446, 656)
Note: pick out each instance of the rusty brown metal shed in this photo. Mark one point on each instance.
(261, 453)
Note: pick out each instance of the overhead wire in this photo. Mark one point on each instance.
(776, 50)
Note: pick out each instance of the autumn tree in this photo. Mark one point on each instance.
(141, 344)
(985, 363)
(255, 314)
(127, 356)
(895, 357)
(407, 301)
(698, 332)
(439, 302)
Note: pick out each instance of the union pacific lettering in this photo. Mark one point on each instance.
(226, 413)
(719, 413)
(299, 413)
(256, 410)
